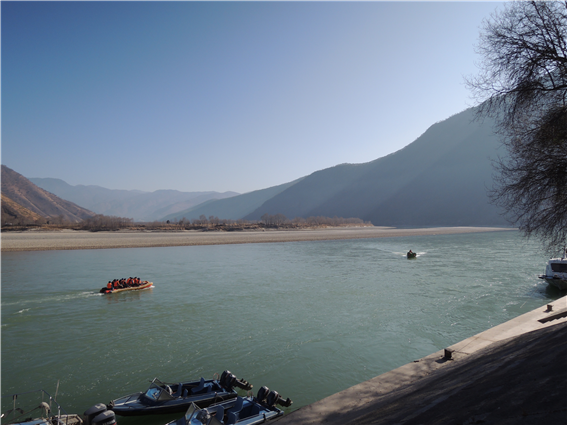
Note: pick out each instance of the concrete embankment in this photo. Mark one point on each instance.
(514, 373)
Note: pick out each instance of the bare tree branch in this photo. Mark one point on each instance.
(523, 84)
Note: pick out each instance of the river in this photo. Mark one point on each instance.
(307, 319)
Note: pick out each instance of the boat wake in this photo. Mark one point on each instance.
(50, 299)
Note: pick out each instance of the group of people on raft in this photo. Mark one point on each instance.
(131, 282)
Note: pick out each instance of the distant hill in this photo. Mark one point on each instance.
(439, 179)
(232, 208)
(141, 206)
(22, 198)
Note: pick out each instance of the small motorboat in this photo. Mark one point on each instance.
(39, 408)
(411, 254)
(162, 397)
(239, 411)
(556, 272)
(143, 285)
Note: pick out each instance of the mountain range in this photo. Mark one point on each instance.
(442, 178)
(141, 206)
(232, 208)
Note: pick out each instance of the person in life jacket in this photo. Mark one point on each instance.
(109, 285)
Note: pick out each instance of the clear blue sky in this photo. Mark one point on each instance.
(199, 96)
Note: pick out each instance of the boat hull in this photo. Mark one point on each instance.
(250, 412)
(174, 406)
(554, 281)
(556, 273)
(164, 397)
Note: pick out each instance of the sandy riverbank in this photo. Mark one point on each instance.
(71, 239)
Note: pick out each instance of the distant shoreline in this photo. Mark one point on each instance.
(73, 240)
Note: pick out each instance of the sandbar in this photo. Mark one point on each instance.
(73, 239)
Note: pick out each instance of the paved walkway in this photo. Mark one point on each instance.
(492, 377)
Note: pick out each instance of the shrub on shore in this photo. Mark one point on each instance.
(111, 223)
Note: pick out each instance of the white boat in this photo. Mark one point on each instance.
(556, 272)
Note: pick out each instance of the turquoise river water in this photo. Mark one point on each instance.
(307, 319)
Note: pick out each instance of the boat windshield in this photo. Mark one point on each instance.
(159, 391)
(193, 409)
(214, 421)
(196, 415)
(559, 267)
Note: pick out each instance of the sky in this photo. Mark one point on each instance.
(225, 96)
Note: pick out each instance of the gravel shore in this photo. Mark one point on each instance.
(72, 239)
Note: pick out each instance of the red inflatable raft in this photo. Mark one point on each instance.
(144, 285)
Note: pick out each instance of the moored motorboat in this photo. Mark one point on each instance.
(39, 408)
(240, 410)
(143, 285)
(162, 397)
(556, 272)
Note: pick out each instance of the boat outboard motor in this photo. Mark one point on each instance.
(262, 394)
(227, 379)
(99, 415)
(273, 398)
(94, 411)
(105, 418)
